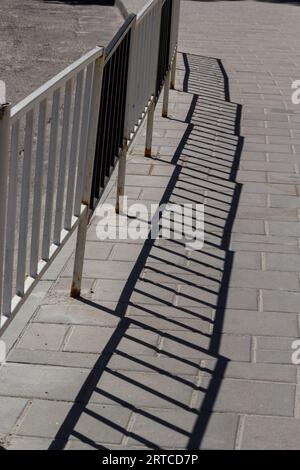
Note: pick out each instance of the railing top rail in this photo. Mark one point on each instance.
(38, 95)
(150, 4)
(112, 46)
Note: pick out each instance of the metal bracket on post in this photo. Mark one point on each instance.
(4, 167)
(91, 147)
(173, 70)
(121, 178)
(149, 131)
(166, 95)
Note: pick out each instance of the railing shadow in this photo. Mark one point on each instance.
(205, 165)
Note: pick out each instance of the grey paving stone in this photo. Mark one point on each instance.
(53, 358)
(208, 277)
(264, 279)
(158, 364)
(98, 250)
(268, 239)
(257, 176)
(268, 166)
(148, 181)
(43, 336)
(158, 391)
(94, 339)
(288, 229)
(98, 423)
(251, 371)
(122, 252)
(26, 312)
(238, 297)
(34, 381)
(98, 269)
(100, 314)
(263, 247)
(270, 433)
(151, 194)
(269, 188)
(163, 323)
(165, 427)
(284, 201)
(250, 397)
(274, 356)
(281, 301)
(146, 292)
(177, 255)
(254, 156)
(291, 178)
(140, 169)
(260, 323)
(283, 262)
(29, 443)
(107, 290)
(60, 290)
(10, 410)
(275, 343)
(246, 260)
(204, 313)
(248, 226)
(267, 213)
(181, 344)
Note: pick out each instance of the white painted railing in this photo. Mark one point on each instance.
(58, 146)
(43, 157)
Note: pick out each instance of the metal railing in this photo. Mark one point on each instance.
(59, 146)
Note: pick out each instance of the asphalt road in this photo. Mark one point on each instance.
(38, 38)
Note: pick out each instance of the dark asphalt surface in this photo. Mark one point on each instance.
(39, 38)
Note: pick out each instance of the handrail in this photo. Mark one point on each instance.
(51, 85)
(118, 37)
(148, 6)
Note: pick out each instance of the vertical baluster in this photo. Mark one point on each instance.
(98, 164)
(108, 137)
(4, 168)
(38, 182)
(24, 209)
(88, 174)
(83, 138)
(51, 176)
(11, 219)
(62, 164)
(123, 155)
(115, 109)
(73, 152)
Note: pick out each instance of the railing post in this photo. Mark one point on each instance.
(149, 130)
(173, 70)
(87, 184)
(4, 166)
(121, 178)
(166, 95)
(126, 128)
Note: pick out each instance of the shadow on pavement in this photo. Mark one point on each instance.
(205, 165)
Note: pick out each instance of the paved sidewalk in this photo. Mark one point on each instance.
(170, 348)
